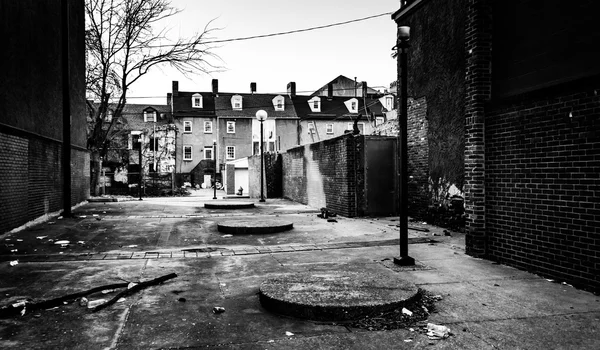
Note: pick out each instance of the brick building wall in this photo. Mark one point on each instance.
(542, 184)
(418, 158)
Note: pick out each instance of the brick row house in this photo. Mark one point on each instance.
(228, 121)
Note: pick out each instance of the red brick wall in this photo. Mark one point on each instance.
(542, 184)
(418, 158)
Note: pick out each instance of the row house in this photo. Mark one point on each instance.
(141, 129)
(327, 116)
(227, 121)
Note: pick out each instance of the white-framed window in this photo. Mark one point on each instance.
(315, 104)
(230, 127)
(361, 127)
(187, 126)
(150, 116)
(197, 101)
(187, 152)
(311, 127)
(279, 103)
(135, 140)
(388, 102)
(379, 121)
(230, 152)
(329, 128)
(208, 127)
(352, 105)
(208, 152)
(236, 102)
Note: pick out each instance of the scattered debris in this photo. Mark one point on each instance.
(131, 246)
(218, 310)
(94, 215)
(131, 285)
(14, 262)
(14, 250)
(415, 228)
(325, 214)
(331, 220)
(83, 301)
(447, 233)
(62, 242)
(19, 240)
(225, 236)
(59, 218)
(407, 311)
(80, 242)
(107, 291)
(407, 340)
(437, 332)
(83, 216)
(182, 300)
(121, 300)
(289, 334)
(134, 287)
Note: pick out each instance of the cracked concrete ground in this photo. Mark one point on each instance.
(486, 305)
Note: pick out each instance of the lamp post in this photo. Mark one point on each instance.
(141, 169)
(261, 115)
(403, 37)
(215, 172)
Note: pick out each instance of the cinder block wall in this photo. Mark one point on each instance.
(542, 184)
(323, 174)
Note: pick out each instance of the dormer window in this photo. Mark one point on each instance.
(352, 105)
(236, 102)
(197, 101)
(315, 104)
(388, 102)
(278, 103)
(150, 116)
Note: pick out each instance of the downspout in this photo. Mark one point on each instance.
(66, 115)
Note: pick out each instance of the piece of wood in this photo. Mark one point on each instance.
(134, 289)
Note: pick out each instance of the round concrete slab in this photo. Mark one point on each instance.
(254, 226)
(228, 204)
(335, 295)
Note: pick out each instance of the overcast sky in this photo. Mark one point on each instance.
(311, 59)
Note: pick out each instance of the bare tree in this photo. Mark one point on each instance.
(123, 45)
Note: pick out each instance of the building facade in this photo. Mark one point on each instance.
(524, 79)
(33, 168)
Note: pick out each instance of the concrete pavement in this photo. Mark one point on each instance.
(486, 305)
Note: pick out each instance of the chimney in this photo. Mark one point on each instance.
(330, 90)
(291, 89)
(215, 86)
(252, 87)
(175, 88)
(364, 89)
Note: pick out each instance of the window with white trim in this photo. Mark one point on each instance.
(150, 116)
(352, 105)
(329, 128)
(361, 127)
(197, 101)
(187, 126)
(379, 121)
(208, 152)
(236, 102)
(230, 127)
(315, 104)
(208, 127)
(230, 152)
(187, 152)
(278, 103)
(311, 127)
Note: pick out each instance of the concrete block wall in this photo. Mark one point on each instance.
(542, 184)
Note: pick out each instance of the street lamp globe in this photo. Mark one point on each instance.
(261, 115)
(404, 33)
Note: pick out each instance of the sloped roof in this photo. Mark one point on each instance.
(133, 114)
(182, 104)
(334, 108)
(252, 103)
(343, 86)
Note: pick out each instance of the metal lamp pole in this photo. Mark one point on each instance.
(261, 115)
(215, 173)
(403, 37)
(141, 170)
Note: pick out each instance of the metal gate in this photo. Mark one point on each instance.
(381, 180)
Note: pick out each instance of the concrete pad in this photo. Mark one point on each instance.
(228, 204)
(264, 226)
(335, 295)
